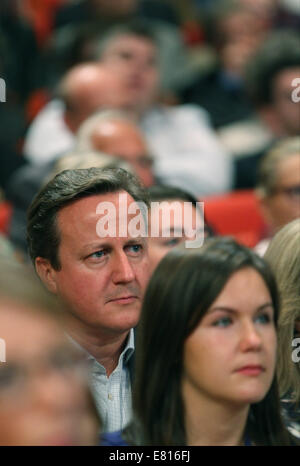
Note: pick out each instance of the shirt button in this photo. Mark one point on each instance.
(110, 397)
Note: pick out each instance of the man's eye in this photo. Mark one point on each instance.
(135, 248)
(173, 242)
(222, 322)
(125, 55)
(97, 254)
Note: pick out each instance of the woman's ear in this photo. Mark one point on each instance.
(46, 273)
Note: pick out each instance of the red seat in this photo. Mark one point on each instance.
(236, 214)
(40, 14)
(5, 216)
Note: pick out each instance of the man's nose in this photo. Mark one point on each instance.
(122, 269)
(251, 339)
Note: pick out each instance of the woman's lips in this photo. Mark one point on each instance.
(250, 370)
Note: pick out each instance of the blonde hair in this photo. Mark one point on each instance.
(268, 169)
(283, 255)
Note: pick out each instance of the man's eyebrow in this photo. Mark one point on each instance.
(95, 246)
(138, 239)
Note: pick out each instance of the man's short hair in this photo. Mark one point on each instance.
(43, 236)
(279, 52)
(268, 168)
(141, 29)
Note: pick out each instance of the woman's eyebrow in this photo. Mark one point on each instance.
(233, 311)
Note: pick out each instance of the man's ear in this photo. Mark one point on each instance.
(70, 122)
(46, 273)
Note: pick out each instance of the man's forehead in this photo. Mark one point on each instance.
(122, 41)
(88, 204)
(84, 218)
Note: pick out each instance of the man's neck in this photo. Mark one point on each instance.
(105, 347)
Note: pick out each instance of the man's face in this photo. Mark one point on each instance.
(102, 279)
(170, 225)
(283, 205)
(43, 392)
(288, 111)
(95, 87)
(135, 60)
(123, 140)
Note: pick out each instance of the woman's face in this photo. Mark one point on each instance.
(230, 356)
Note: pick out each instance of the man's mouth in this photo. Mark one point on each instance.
(123, 299)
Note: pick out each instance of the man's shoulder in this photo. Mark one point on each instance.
(185, 113)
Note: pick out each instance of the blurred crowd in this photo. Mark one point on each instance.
(168, 101)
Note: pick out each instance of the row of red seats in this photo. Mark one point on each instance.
(236, 214)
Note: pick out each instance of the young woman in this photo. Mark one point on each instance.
(206, 352)
(283, 255)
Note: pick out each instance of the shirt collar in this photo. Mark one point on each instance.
(125, 355)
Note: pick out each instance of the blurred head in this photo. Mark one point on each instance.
(168, 216)
(235, 31)
(287, 111)
(44, 399)
(207, 314)
(283, 255)
(130, 51)
(278, 186)
(88, 87)
(114, 133)
(113, 9)
(270, 75)
(83, 249)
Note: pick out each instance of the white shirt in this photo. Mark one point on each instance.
(186, 150)
(48, 135)
(112, 394)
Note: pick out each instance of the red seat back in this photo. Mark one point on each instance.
(236, 214)
(5, 216)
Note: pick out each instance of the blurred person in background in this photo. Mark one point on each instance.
(278, 187)
(113, 132)
(235, 32)
(271, 80)
(79, 27)
(283, 255)
(186, 152)
(82, 91)
(44, 398)
(167, 215)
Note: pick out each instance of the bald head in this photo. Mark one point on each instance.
(111, 132)
(88, 87)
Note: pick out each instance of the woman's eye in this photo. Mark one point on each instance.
(263, 319)
(222, 322)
